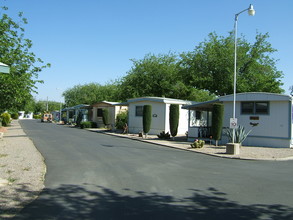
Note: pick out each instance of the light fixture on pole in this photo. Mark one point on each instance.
(251, 12)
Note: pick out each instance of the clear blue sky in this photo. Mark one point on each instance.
(93, 41)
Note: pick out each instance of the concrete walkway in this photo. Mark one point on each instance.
(246, 152)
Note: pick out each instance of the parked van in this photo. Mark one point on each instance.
(47, 118)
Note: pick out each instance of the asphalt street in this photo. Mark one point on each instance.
(96, 176)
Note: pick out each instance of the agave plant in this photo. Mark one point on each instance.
(240, 134)
(164, 135)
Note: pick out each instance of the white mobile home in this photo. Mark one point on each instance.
(160, 114)
(267, 115)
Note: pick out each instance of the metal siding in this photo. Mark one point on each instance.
(157, 125)
(256, 96)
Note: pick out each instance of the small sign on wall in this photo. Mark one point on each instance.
(233, 123)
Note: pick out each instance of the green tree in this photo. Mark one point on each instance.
(217, 121)
(90, 93)
(174, 119)
(291, 90)
(211, 65)
(15, 51)
(147, 119)
(158, 76)
(41, 106)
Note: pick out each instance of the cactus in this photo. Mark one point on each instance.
(240, 134)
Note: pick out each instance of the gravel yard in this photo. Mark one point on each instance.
(22, 171)
(246, 152)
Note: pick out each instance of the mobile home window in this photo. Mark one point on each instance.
(138, 111)
(193, 119)
(254, 108)
(198, 115)
(100, 112)
(261, 108)
(247, 107)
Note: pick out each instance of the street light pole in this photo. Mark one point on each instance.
(60, 109)
(251, 12)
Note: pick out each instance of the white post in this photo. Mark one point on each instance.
(235, 73)
(251, 12)
(60, 118)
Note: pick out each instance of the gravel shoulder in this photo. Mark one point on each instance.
(22, 171)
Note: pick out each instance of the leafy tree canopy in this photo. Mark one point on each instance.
(211, 65)
(159, 76)
(90, 93)
(198, 75)
(41, 106)
(15, 51)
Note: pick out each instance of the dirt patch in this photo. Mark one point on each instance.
(3, 129)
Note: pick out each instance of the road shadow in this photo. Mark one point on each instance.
(96, 202)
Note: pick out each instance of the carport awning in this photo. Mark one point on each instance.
(202, 106)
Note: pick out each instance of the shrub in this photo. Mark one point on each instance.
(121, 119)
(164, 135)
(106, 116)
(14, 116)
(174, 119)
(94, 124)
(217, 121)
(85, 124)
(88, 124)
(79, 119)
(6, 118)
(147, 118)
(37, 116)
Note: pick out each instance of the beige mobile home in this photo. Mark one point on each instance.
(114, 109)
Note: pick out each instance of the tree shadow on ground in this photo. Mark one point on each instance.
(96, 202)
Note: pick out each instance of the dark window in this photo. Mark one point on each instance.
(247, 107)
(254, 108)
(138, 110)
(100, 112)
(261, 108)
(198, 115)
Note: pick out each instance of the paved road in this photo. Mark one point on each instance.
(96, 176)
